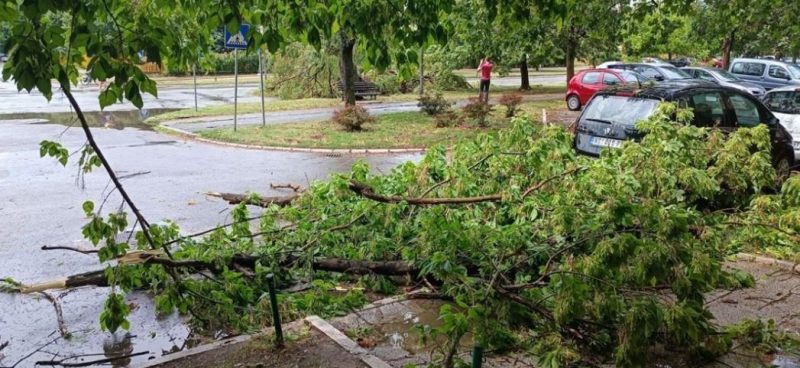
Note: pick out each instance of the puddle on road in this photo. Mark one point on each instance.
(97, 119)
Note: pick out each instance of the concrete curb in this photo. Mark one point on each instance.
(785, 265)
(346, 343)
(216, 345)
(348, 151)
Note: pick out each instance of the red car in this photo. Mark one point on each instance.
(587, 82)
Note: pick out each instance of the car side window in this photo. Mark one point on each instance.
(591, 78)
(779, 72)
(705, 76)
(746, 111)
(709, 109)
(611, 79)
(754, 69)
(651, 73)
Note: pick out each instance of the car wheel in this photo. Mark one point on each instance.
(573, 103)
(783, 168)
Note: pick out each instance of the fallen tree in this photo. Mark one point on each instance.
(598, 259)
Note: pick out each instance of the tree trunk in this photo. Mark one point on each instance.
(571, 51)
(348, 69)
(794, 59)
(525, 84)
(669, 56)
(727, 45)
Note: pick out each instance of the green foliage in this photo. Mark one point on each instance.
(352, 118)
(301, 71)
(115, 313)
(55, 150)
(764, 337)
(433, 104)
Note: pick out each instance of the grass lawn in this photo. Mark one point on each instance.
(397, 130)
(246, 108)
(312, 103)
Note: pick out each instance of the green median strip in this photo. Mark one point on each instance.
(395, 130)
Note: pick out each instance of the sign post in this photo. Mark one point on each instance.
(236, 42)
(194, 77)
(262, 66)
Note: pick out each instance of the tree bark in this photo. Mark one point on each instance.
(727, 46)
(525, 83)
(348, 68)
(572, 47)
(98, 278)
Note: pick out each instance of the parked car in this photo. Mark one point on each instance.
(654, 61)
(784, 102)
(587, 82)
(610, 117)
(680, 62)
(3, 57)
(607, 63)
(766, 73)
(724, 78)
(653, 71)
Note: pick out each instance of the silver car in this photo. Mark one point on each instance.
(784, 102)
(726, 79)
(766, 73)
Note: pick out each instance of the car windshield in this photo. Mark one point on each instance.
(672, 72)
(785, 102)
(631, 77)
(725, 75)
(794, 70)
(624, 110)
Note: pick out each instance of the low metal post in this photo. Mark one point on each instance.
(477, 356)
(235, 86)
(276, 317)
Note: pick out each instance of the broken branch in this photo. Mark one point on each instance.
(236, 198)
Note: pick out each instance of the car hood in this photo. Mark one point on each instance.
(791, 122)
(747, 85)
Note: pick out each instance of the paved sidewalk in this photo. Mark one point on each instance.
(194, 125)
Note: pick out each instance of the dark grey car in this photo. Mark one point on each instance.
(610, 117)
(766, 73)
(724, 78)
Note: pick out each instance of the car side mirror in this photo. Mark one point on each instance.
(659, 78)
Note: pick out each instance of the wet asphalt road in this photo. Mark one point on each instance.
(40, 204)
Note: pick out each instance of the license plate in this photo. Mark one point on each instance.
(606, 142)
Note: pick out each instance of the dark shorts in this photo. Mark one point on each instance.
(484, 85)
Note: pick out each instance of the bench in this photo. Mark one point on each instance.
(362, 89)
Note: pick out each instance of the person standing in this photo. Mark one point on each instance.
(485, 70)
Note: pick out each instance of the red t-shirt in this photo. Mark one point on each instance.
(486, 71)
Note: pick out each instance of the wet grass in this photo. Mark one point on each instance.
(247, 108)
(395, 130)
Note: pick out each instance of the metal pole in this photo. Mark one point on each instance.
(235, 86)
(422, 70)
(262, 64)
(276, 317)
(194, 77)
(477, 356)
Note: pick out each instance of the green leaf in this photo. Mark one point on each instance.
(88, 207)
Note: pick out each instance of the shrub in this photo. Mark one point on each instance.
(511, 101)
(448, 119)
(352, 118)
(449, 81)
(388, 84)
(433, 104)
(478, 111)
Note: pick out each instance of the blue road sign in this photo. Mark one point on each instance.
(238, 40)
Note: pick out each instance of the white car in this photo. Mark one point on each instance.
(784, 102)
